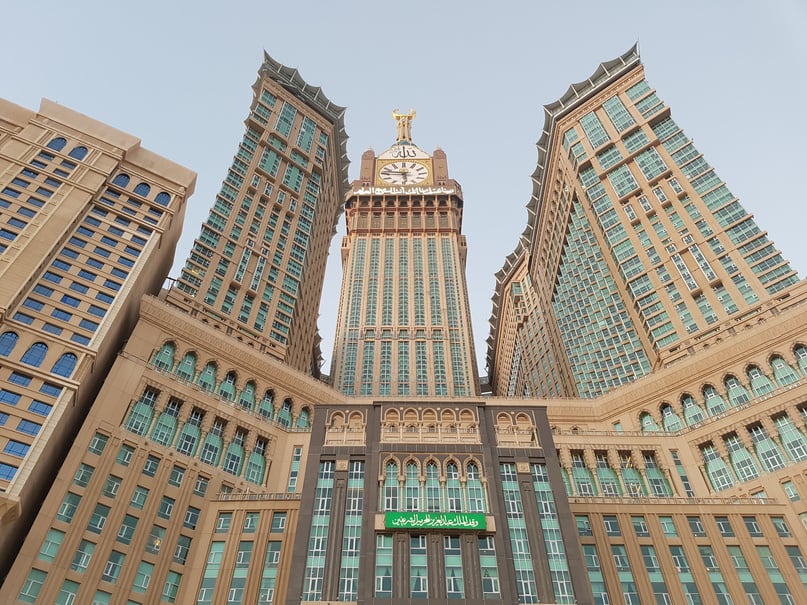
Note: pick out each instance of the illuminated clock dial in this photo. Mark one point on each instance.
(404, 173)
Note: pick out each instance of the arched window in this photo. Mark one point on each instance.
(391, 487)
(65, 365)
(227, 387)
(800, 351)
(412, 487)
(736, 391)
(760, 384)
(164, 359)
(284, 415)
(453, 488)
(246, 399)
(476, 493)
(303, 420)
(142, 189)
(186, 369)
(207, 378)
(162, 198)
(78, 153)
(648, 423)
(715, 404)
(121, 180)
(256, 464)
(782, 371)
(57, 144)
(670, 420)
(266, 408)
(35, 354)
(692, 411)
(8, 340)
(432, 486)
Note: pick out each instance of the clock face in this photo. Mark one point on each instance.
(404, 173)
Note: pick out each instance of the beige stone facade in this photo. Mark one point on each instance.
(258, 265)
(404, 323)
(90, 222)
(211, 471)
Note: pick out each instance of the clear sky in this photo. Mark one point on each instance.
(178, 74)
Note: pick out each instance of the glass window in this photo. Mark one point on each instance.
(151, 466)
(191, 517)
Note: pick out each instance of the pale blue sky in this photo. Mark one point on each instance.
(178, 74)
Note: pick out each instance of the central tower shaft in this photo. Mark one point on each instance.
(404, 323)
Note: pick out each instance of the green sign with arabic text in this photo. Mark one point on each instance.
(421, 520)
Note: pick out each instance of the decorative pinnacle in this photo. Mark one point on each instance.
(404, 125)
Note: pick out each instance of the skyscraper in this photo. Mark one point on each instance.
(637, 252)
(208, 374)
(89, 222)
(648, 471)
(256, 270)
(404, 324)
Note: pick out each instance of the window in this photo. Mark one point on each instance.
(81, 560)
(724, 527)
(50, 546)
(696, 527)
(143, 577)
(200, 487)
(278, 522)
(28, 427)
(113, 566)
(191, 517)
(16, 448)
(98, 519)
(112, 486)
(64, 365)
(125, 455)
(151, 466)
(8, 341)
(611, 525)
(83, 475)
(177, 473)
(68, 507)
(166, 507)
(127, 529)
(139, 497)
(752, 526)
(21, 379)
(182, 549)
(35, 354)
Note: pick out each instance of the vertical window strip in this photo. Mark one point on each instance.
(351, 536)
(558, 566)
(522, 557)
(318, 540)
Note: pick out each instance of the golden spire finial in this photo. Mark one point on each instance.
(404, 120)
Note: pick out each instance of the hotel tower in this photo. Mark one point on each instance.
(404, 324)
(644, 441)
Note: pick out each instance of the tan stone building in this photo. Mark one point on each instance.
(89, 222)
(621, 460)
(404, 323)
(257, 268)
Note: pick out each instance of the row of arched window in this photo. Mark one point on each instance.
(36, 354)
(737, 457)
(77, 153)
(433, 487)
(228, 389)
(122, 180)
(191, 434)
(734, 394)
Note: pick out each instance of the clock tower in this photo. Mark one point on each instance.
(404, 325)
